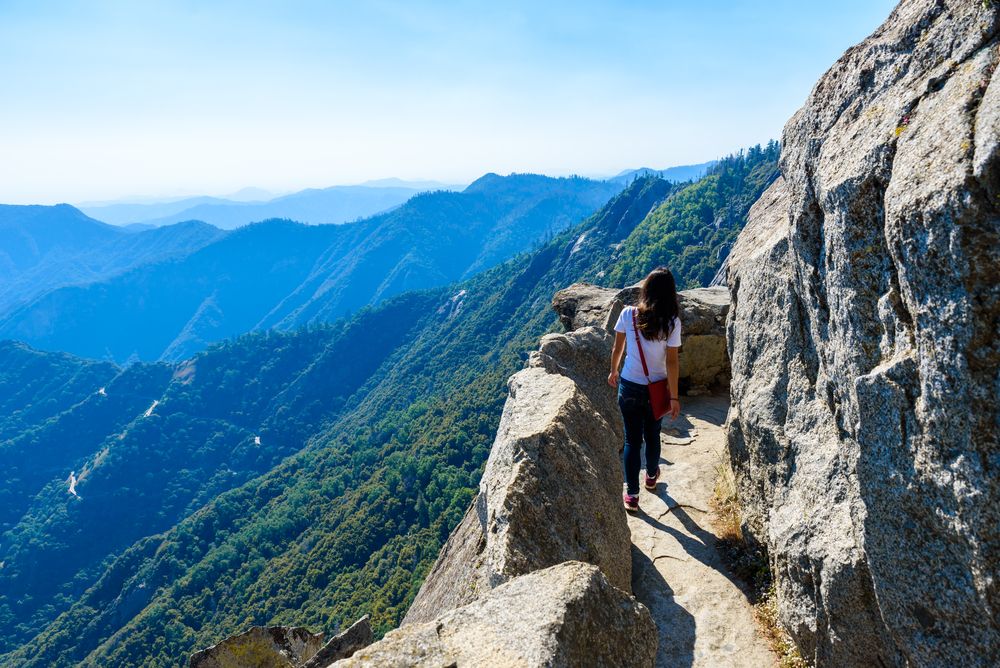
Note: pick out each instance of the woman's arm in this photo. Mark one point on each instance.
(672, 366)
(616, 358)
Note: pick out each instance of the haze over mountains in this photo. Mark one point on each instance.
(42, 247)
(677, 174)
(277, 273)
(310, 475)
(333, 205)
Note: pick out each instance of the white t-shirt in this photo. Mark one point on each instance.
(655, 352)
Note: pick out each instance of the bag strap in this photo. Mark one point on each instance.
(642, 358)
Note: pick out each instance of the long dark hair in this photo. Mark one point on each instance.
(658, 305)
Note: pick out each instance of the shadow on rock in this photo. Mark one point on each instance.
(675, 625)
(698, 542)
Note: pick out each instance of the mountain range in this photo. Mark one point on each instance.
(677, 174)
(334, 205)
(280, 273)
(42, 247)
(301, 477)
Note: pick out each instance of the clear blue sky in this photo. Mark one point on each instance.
(106, 99)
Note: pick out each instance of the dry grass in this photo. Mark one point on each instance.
(766, 614)
(751, 566)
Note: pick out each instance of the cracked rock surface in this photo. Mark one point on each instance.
(565, 616)
(864, 349)
(545, 496)
(704, 617)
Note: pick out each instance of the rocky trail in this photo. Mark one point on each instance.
(703, 615)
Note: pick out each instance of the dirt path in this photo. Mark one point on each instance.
(704, 616)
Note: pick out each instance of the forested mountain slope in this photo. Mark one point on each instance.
(691, 233)
(282, 274)
(42, 247)
(390, 416)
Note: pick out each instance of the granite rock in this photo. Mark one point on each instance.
(458, 576)
(866, 296)
(583, 305)
(703, 358)
(565, 616)
(551, 490)
(283, 647)
(261, 647)
(343, 645)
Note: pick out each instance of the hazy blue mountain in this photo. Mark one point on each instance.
(417, 185)
(139, 227)
(142, 199)
(338, 204)
(284, 274)
(42, 247)
(334, 205)
(678, 174)
(140, 210)
(252, 194)
(29, 233)
(136, 212)
(437, 238)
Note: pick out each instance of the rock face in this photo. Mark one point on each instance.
(703, 358)
(261, 647)
(863, 339)
(343, 646)
(565, 616)
(283, 647)
(551, 488)
(583, 305)
(458, 577)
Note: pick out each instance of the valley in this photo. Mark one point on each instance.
(281, 274)
(305, 475)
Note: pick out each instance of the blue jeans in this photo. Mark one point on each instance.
(637, 413)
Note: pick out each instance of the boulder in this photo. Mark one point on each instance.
(343, 645)
(583, 305)
(703, 358)
(551, 489)
(866, 292)
(283, 647)
(583, 356)
(565, 616)
(261, 647)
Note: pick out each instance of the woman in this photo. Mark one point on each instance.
(657, 319)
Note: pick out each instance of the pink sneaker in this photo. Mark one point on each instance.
(631, 503)
(651, 479)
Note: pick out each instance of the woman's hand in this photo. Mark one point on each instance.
(675, 409)
(616, 358)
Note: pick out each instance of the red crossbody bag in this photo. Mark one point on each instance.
(659, 392)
